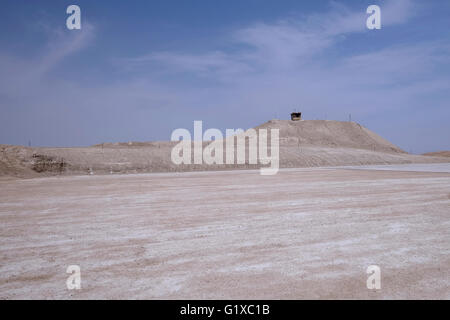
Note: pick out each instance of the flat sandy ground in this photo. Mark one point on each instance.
(303, 233)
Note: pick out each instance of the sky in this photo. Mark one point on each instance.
(137, 70)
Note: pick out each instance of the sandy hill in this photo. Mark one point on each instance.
(327, 133)
(302, 144)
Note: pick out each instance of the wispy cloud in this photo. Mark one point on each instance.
(62, 45)
(21, 76)
(278, 46)
(292, 57)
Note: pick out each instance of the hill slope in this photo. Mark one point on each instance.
(327, 133)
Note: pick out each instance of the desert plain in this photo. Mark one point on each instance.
(307, 233)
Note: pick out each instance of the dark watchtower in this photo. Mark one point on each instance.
(296, 116)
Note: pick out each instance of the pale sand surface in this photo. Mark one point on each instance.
(303, 233)
(418, 167)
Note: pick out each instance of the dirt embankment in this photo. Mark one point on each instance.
(308, 143)
(438, 154)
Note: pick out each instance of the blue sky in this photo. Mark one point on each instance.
(139, 69)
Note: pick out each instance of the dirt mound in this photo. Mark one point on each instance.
(309, 143)
(330, 134)
(438, 154)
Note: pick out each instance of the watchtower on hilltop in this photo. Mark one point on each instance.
(296, 116)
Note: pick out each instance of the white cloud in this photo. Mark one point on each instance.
(63, 45)
(23, 76)
(278, 46)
